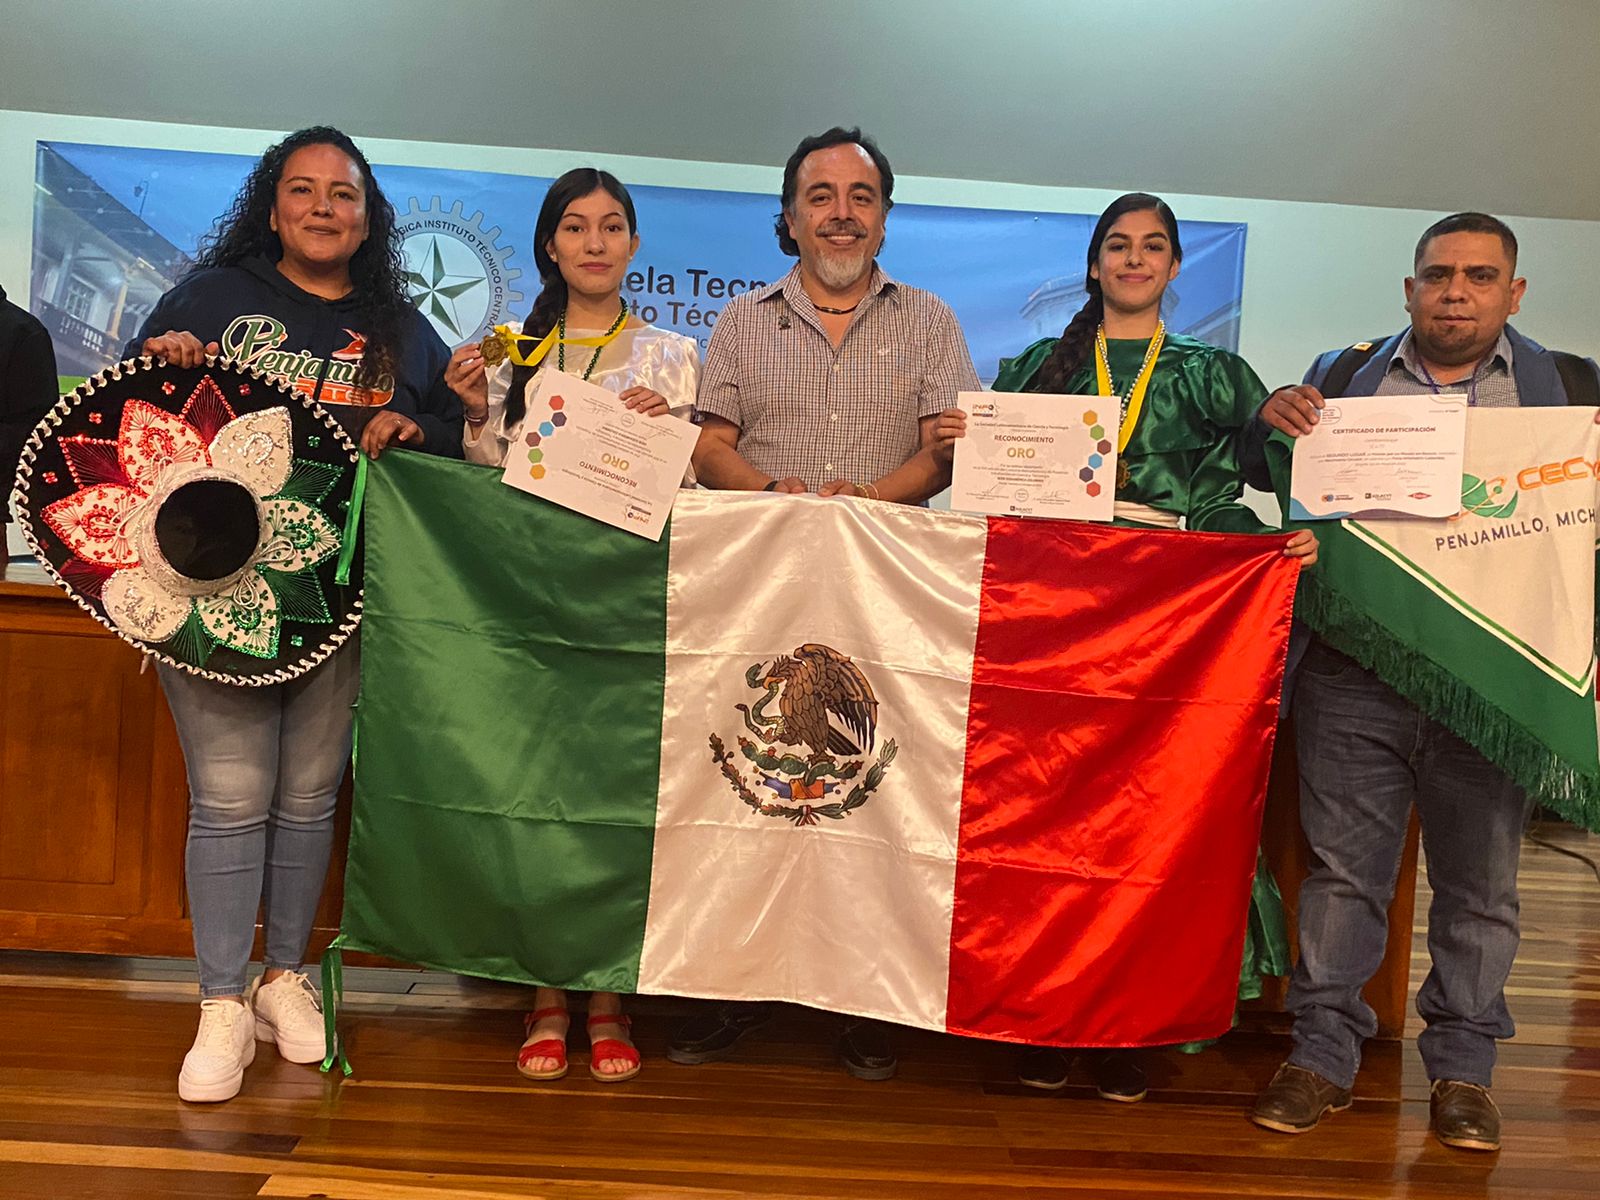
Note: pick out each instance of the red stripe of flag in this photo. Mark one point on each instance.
(1118, 744)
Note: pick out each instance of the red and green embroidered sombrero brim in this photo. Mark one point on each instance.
(198, 513)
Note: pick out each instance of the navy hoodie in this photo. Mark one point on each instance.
(262, 319)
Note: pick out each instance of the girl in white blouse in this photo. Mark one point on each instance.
(583, 241)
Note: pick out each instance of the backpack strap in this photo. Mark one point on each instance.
(1577, 379)
(1344, 368)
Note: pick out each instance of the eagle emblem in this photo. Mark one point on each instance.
(816, 746)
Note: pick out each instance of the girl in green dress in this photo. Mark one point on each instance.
(1181, 400)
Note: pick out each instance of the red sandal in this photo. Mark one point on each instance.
(555, 1048)
(611, 1048)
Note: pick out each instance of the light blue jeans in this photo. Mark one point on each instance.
(265, 764)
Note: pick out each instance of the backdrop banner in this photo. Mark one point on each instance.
(114, 227)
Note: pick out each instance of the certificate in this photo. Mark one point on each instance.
(584, 449)
(1036, 454)
(1381, 456)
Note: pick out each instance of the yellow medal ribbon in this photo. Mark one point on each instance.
(1102, 378)
(508, 339)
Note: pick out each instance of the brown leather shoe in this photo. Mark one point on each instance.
(1296, 1100)
(1464, 1115)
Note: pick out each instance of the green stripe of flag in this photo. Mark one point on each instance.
(476, 592)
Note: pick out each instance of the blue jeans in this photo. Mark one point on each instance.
(265, 764)
(1366, 757)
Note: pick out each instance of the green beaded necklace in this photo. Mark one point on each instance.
(561, 340)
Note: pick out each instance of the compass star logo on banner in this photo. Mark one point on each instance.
(828, 714)
(457, 273)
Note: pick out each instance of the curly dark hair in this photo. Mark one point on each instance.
(1076, 343)
(377, 271)
(837, 136)
(552, 299)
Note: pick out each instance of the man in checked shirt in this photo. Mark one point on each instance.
(831, 379)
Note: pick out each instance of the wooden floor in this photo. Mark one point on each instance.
(89, 1050)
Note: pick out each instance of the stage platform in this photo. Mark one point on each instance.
(90, 1046)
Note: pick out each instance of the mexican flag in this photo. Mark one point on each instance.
(996, 777)
(1485, 621)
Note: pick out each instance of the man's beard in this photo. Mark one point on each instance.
(839, 269)
(1449, 347)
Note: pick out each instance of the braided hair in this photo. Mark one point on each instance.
(1076, 343)
(551, 301)
(377, 269)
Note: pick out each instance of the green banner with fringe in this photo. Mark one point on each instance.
(1484, 621)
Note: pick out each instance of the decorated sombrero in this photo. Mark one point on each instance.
(199, 514)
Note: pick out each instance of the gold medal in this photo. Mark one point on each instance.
(493, 348)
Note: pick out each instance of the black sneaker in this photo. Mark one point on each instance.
(714, 1035)
(864, 1049)
(1118, 1075)
(1043, 1067)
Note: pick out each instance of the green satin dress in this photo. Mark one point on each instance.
(1181, 460)
(1181, 457)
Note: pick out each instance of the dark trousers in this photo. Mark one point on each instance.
(1367, 756)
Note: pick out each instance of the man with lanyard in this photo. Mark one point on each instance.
(1367, 755)
(828, 381)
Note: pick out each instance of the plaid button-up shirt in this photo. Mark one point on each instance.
(805, 407)
(1491, 385)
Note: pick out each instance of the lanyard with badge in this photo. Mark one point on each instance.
(1472, 387)
(1130, 403)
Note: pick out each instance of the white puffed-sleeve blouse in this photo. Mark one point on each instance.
(641, 356)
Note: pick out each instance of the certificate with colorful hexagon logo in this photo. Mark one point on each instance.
(1036, 454)
(584, 449)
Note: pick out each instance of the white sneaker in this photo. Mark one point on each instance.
(225, 1045)
(289, 1012)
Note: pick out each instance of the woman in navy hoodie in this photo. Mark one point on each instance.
(304, 279)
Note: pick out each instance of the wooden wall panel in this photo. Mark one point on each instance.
(74, 766)
(61, 761)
